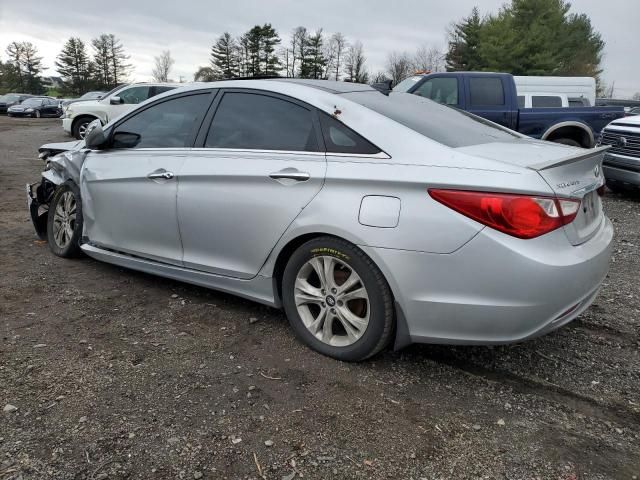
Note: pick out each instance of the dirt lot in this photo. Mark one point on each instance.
(118, 374)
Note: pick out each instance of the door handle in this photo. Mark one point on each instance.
(160, 174)
(290, 175)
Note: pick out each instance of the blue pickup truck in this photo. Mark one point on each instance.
(493, 96)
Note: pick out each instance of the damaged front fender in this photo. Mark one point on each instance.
(64, 166)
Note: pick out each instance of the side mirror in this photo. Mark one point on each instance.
(95, 137)
(115, 100)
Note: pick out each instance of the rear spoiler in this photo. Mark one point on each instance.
(570, 159)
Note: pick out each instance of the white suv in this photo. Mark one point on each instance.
(118, 101)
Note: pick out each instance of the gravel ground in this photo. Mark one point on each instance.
(117, 374)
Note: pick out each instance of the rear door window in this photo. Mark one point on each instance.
(253, 121)
(486, 91)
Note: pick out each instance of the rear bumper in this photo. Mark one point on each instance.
(621, 168)
(496, 289)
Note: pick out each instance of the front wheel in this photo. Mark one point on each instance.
(64, 222)
(79, 129)
(337, 300)
(36, 114)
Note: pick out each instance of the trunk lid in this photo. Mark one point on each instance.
(570, 173)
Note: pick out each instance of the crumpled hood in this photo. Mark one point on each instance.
(59, 147)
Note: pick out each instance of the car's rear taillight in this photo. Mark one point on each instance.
(523, 216)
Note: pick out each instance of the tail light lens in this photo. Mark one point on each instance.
(521, 216)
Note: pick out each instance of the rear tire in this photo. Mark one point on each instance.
(567, 141)
(348, 314)
(64, 221)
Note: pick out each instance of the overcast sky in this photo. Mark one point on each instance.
(188, 27)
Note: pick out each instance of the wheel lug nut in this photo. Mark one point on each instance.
(339, 303)
(333, 290)
(333, 310)
(324, 304)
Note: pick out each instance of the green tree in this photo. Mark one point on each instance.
(74, 66)
(270, 63)
(102, 62)
(527, 37)
(25, 68)
(313, 59)
(110, 60)
(464, 40)
(224, 57)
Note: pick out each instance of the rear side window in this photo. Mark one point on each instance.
(545, 101)
(520, 101)
(338, 138)
(486, 91)
(260, 122)
(169, 124)
(153, 91)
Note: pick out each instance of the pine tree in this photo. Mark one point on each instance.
(26, 66)
(102, 62)
(74, 66)
(464, 42)
(119, 67)
(269, 59)
(224, 57)
(313, 59)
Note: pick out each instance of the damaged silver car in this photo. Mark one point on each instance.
(368, 218)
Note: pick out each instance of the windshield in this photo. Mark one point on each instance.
(407, 83)
(446, 125)
(10, 98)
(32, 102)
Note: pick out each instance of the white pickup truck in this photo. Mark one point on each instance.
(79, 115)
(621, 164)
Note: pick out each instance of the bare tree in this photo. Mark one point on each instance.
(636, 96)
(299, 39)
(354, 61)
(335, 52)
(380, 77)
(164, 62)
(399, 66)
(428, 59)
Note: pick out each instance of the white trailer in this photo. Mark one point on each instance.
(572, 87)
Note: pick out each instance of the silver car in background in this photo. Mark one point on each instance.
(369, 218)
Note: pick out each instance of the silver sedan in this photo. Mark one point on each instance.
(370, 219)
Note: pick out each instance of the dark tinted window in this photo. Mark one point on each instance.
(153, 91)
(338, 138)
(446, 125)
(520, 101)
(545, 101)
(260, 122)
(486, 92)
(166, 125)
(440, 89)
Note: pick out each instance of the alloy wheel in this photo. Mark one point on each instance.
(64, 220)
(332, 301)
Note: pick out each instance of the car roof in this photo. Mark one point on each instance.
(329, 86)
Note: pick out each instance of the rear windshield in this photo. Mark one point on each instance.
(449, 126)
